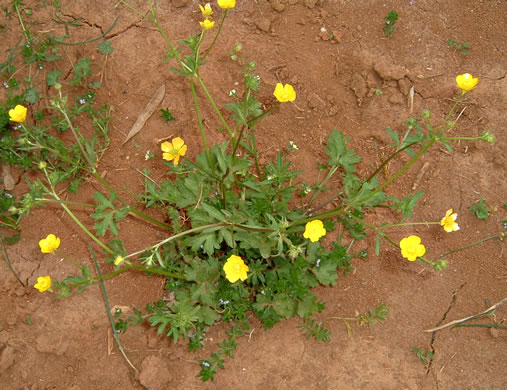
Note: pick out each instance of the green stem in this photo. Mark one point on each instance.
(461, 138)
(44, 200)
(260, 116)
(76, 220)
(25, 32)
(331, 172)
(81, 148)
(468, 246)
(5, 256)
(409, 224)
(399, 173)
(482, 326)
(327, 214)
(224, 15)
(219, 114)
(253, 145)
(173, 49)
(201, 127)
(108, 308)
(165, 241)
(389, 159)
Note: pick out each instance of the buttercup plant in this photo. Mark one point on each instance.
(236, 242)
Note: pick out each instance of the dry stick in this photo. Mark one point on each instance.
(457, 322)
(420, 175)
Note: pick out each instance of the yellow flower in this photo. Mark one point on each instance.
(207, 24)
(18, 114)
(448, 222)
(42, 164)
(284, 93)
(43, 283)
(226, 3)
(173, 150)
(206, 10)
(119, 260)
(314, 230)
(466, 82)
(49, 244)
(235, 269)
(411, 248)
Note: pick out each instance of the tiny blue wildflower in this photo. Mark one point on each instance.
(6, 85)
(82, 101)
(318, 263)
(263, 292)
(205, 364)
(8, 195)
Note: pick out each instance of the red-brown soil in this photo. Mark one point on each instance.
(68, 344)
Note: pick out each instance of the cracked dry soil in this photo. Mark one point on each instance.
(335, 54)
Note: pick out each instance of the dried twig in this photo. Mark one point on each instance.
(457, 322)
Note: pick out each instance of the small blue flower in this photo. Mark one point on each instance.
(318, 263)
(8, 195)
(82, 101)
(6, 85)
(263, 292)
(205, 364)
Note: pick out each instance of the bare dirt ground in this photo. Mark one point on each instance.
(335, 54)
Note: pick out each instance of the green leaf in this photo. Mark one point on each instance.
(32, 95)
(326, 272)
(213, 212)
(107, 214)
(338, 153)
(105, 47)
(480, 209)
(406, 205)
(208, 315)
(53, 77)
(166, 115)
(307, 306)
(284, 305)
(82, 70)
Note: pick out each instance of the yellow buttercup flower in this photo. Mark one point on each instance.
(235, 268)
(49, 244)
(411, 248)
(43, 283)
(207, 24)
(284, 93)
(449, 222)
(227, 3)
(42, 164)
(18, 114)
(314, 230)
(206, 10)
(466, 82)
(174, 150)
(119, 260)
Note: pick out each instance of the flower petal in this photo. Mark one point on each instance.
(178, 143)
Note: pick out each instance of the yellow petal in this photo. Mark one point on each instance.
(166, 147)
(178, 142)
